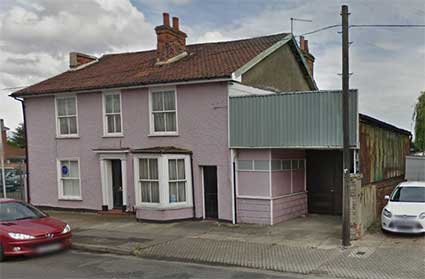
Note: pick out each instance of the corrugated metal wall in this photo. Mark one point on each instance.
(382, 153)
(291, 120)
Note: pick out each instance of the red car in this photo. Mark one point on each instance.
(26, 230)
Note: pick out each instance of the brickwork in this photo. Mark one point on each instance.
(355, 206)
(383, 188)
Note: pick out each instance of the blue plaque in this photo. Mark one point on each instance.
(65, 170)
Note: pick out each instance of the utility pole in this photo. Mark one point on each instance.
(346, 136)
(3, 176)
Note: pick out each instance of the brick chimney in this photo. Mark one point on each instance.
(171, 42)
(76, 59)
(309, 58)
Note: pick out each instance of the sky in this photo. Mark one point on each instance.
(388, 64)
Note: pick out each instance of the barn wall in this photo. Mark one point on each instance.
(382, 153)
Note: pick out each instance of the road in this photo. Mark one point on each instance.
(74, 264)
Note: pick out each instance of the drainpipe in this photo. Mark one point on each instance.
(193, 187)
(233, 180)
(26, 148)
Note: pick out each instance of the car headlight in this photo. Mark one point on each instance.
(387, 213)
(20, 236)
(422, 215)
(67, 229)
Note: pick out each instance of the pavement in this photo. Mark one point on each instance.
(308, 246)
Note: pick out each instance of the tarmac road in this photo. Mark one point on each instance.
(75, 264)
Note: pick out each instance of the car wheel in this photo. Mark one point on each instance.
(1, 253)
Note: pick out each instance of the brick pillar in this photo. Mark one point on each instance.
(355, 206)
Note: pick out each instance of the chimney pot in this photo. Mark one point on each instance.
(302, 43)
(166, 19)
(309, 58)
(176, 23)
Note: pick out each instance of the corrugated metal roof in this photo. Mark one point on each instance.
(311, 119)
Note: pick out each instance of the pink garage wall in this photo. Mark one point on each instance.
(282, 180)
(255, 203)
(253, 211)
(289, 207)
(253, 183)
(202, 122)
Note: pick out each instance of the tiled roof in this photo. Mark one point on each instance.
(205, 61)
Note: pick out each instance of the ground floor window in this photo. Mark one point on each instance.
(69, 179)
(163, 180)
(149, 180)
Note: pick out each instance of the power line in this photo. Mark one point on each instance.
(320, 29)
(365, 26)
(390, 25)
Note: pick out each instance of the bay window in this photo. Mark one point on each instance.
(66, 116)
(163, 180)
(176, 180)
(149, 180)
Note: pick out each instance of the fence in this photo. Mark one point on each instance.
(15, 182)
(415, 168)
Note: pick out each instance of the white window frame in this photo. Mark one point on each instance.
(164, 197)
(61, 196)
(58, 133)
(177, 180)
(104, 114)
(149, 180)
(151, 118)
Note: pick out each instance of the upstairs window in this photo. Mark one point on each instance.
(112, 114)
(163, 112)
(66, 116)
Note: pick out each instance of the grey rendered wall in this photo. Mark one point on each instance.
(280, 71)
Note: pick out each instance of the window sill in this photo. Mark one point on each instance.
(68, 137)
(113, 136)
(70, 199)
(163, 135)
(163, 208)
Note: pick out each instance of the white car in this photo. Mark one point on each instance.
(405, 210)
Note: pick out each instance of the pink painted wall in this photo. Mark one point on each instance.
(254, 183)
(289, 207)
(281, 183)
(254, 154)
(281, 180)
(164, 215)
(254, 211)
(202, 122)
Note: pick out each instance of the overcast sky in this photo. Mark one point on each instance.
(388, 64)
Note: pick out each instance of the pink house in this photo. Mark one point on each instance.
(148, 132)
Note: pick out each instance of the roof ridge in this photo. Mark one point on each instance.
(200, 44)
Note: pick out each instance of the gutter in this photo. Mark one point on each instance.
(122, 87)
(26, 149)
